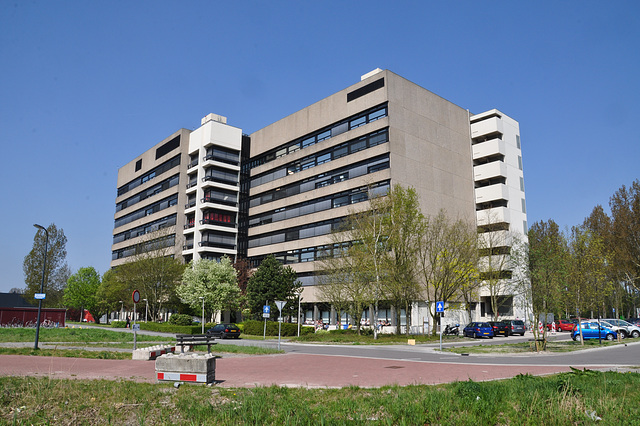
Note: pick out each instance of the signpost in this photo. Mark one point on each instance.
(136, 298)
(266, 313)
(440, 310)
(280, 304)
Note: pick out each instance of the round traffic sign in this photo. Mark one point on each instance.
(135, 296)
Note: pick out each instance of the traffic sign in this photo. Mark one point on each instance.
(280, 304)
(39, 296)
(135, 296)
(439, 306)
(266, 309)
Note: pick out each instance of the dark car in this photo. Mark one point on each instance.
(515, 326)
(499, 328)
(224, 331)
(478, 329)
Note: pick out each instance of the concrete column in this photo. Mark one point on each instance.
(316, 313)
(332, 316)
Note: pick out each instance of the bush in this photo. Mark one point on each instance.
(256, 328)
(180, 319)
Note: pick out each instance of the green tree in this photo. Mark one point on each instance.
(625, 235)
(56, 271)
(81, 292)
(447, 260)
(270, 282)
(403, 226)
(217, 282)
(153, 270)
(111, 291)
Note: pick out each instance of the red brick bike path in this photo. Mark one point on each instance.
(292, 370)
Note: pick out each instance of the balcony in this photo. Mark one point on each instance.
(488, 148)
(491, 193)
(486, 127)
(489, 170)
(215, 200)
(188, 246)
(493, 216)
(218, 223)
(192, 164)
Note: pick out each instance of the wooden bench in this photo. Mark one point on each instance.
(193, 340)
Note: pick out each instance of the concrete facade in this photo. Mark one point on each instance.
(302, 174)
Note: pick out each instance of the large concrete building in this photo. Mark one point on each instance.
(302, 174)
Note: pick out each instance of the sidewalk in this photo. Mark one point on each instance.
(289, 370)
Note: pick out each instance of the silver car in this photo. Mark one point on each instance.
(628, 329)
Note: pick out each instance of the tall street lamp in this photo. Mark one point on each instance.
(202, 298)
(146, 312)
(299, 297)
(41, 295)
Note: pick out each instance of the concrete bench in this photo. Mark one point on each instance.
(193, 340)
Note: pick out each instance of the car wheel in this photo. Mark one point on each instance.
(574, 337)
(475, 335)
(522, 334)
(609, 337)
(623, 334)
(490, 337)
(635, 334)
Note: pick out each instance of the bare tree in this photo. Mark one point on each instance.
(448, 261)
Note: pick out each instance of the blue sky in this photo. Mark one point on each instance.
(85, 86)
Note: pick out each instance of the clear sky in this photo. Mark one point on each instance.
(86, 86)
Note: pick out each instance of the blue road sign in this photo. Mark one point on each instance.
(266, 309)
(439, 306)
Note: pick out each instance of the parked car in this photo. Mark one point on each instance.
(634, 321)
(500, 327)
(224, 331)
(478, 329)
(515, 326)
(563, 325)
(631, 330)
(621, 330)
(593, 330)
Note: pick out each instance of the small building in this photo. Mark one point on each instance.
(15, 311)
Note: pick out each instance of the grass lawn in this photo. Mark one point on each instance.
(579, 397)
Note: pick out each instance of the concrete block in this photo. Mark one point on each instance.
(152, 352)
(189, 367)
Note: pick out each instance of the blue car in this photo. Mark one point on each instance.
(478, 329)
(593, 330)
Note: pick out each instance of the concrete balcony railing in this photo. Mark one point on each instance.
(492, 193)
(493, 216)
(488, 148)
(489, 170)
(486, 127)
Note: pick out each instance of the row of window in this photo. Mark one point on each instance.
(149, 210)
(156, 171)
(214, 217)
(308, 254)
(145, 229)
(320, 204)
(218, 239)
(309, 230)
(224, 155)
(157, 244)
(155, 189)
(219, 175)
(220, 197)
(368, 166)
(322, 134)
(338, 151)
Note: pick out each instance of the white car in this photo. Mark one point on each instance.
(630, 329)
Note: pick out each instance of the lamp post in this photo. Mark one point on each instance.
(146, 312)
(121, 310)
(299, 297)
(202, 298)
(41, 296)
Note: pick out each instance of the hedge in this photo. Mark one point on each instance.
(256, 328)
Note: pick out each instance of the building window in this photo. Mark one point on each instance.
(520, 162)
(518, 141)
(524, 207)
(521, 184)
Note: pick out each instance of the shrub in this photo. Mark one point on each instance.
(180, 319)
(256, 328)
